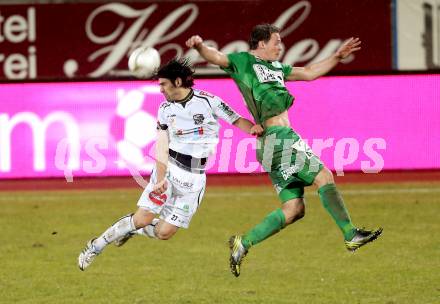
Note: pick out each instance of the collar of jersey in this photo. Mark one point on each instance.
(260, 59)
(186, 99)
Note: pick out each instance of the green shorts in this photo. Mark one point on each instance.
(290, 162)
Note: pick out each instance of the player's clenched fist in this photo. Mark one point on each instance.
(194, 41)
(160, 187)
(257, 130)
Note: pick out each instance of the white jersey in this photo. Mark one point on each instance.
(192, 124)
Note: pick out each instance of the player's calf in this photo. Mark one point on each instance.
(293, 210)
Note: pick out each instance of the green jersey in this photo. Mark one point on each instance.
(261, 83)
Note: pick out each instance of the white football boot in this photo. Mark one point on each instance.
(87, 256)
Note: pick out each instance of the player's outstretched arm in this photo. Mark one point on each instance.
(248, 127)
(210, 54)
(320, 68)
(161, 161)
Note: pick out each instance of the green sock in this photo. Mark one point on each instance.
(270, 225)
(332, 201)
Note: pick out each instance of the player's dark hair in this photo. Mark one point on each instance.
(261, 32)
(177, 68)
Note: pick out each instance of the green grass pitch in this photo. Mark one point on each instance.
(43, 232)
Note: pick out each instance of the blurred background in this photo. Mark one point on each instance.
(69, 106)
(72, 117)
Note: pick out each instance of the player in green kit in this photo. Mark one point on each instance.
(290, 163)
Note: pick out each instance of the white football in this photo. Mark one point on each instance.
(144, 62)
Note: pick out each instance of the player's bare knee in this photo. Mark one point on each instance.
(142, 218)
(301, 212)
(139, 222)
(164, 234)
(298, 213)
(165, 231)
(324, 177)
(294, 210)
(163, 237)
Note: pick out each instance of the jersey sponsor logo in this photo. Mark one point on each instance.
(198, 119)
(265, 74)
(186, 208)
(301, 146)
(206, 94)
(286, 173)
(158, 199)
(226, 109)
(182, 184)
(164, 105)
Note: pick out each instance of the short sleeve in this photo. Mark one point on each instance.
(287, 69)
(162, 123)
(224, 111)
(235, 60)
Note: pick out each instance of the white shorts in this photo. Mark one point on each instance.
(180, 202)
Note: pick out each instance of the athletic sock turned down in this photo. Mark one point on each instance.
(271, 224)
(123, 226)
(332, 201)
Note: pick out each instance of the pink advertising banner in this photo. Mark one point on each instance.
(368, 123)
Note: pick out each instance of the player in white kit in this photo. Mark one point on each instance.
(187, 133)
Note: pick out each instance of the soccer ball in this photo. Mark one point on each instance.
(144, 62)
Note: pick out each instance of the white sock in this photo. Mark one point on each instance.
(123, 226)
(149, 229)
